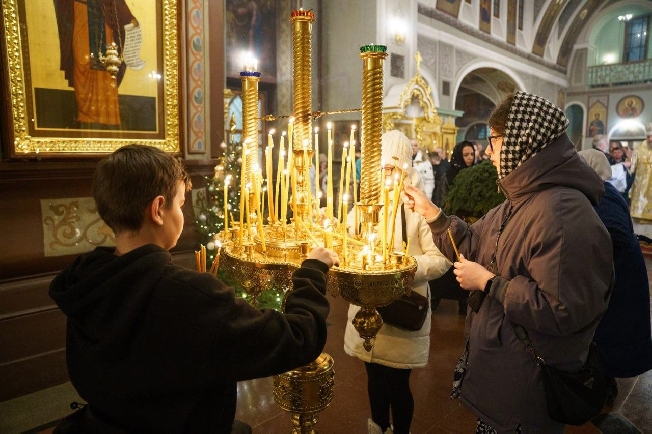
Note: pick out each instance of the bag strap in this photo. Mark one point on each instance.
(404, 236)
(521, 333)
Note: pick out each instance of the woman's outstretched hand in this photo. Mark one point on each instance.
(416, 200)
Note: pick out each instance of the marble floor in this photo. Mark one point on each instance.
(349, 410)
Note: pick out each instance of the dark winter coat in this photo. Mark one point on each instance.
(623, 335)
(156, 347)
(554, 268)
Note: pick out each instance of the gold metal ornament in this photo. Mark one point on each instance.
(264, 256)
(306, 391)
(112, 60)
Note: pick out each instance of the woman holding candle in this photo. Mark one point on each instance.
(396, 351)
(541, 260)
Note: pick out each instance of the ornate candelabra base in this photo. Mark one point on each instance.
(306, 391)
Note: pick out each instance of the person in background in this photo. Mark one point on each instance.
(422, 164)
(396, 351)
(479, 152)
(463, 157)
(439, 167)
(623, 336)
(641, 192)
(154, 347)
(527, 262)
(601, 143)
(620, 160)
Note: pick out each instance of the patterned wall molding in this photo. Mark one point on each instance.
(72, 226)
(196, 73)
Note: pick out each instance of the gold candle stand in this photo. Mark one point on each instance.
(305, 391)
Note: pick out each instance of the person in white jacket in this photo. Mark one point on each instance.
(396, 351)
(422, 164)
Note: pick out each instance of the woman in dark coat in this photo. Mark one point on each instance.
(623, 335)
(446, 286)
(463, 157)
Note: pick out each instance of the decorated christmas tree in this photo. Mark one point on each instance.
(210, 215)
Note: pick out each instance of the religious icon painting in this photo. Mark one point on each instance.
(597, 116)
(629, 107)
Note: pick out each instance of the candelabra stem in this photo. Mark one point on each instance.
(373, 57)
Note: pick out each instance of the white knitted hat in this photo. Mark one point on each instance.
(598, 161)
(395, 144)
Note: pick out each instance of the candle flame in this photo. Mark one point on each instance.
(272, 131)
(316, 130)
(329, 125)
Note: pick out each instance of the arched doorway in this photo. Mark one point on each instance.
(478, 94)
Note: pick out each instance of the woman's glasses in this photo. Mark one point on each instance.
(490, 143)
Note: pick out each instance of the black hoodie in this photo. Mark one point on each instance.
(154, 347)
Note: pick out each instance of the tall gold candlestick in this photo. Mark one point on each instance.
(372, 103)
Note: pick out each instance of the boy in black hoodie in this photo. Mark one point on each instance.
(155, 347)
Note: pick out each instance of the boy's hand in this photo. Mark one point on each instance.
(327, 256)
(416, 200)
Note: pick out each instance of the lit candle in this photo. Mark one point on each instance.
(279, 171)
(397, 191)
(247, 210)
(270, 175)
(329, 186)
(385, 218)
(317, 166)
(259, 220)
(341, 192)
(345, 199)
(243, 198)
(347, 180)
(293, 189)
(328, 238)
(227, 179)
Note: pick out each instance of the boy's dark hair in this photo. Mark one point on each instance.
(498, 117)
(127, 181)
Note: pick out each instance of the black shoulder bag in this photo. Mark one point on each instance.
(410, 311)
(573, 398)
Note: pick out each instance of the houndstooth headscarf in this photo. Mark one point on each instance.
(532, 124)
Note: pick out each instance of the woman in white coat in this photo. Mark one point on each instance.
(396, 351)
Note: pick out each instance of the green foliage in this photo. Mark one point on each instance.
(474, 192)
(209, 219)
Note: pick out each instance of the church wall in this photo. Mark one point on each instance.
(32, 329)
